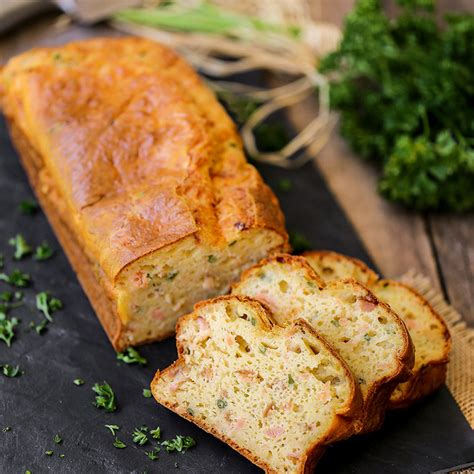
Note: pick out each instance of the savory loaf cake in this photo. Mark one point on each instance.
(142, 175)
(276, 395)
(428, 331)
(367, 334)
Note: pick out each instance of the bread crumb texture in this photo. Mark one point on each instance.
(427, 329)
(275, 394)
(367, 334)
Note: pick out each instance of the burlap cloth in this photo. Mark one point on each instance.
(460, 378)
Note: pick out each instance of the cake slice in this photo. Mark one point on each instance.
(276, 395)
(367, 333)
(427, 329)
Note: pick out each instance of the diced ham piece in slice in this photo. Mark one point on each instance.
(267, 300)
(367, 304)
(274, 431)
(140, 279)
(157, 315)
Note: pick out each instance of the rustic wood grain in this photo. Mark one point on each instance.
(453, 237)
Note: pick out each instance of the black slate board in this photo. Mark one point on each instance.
(44, 401)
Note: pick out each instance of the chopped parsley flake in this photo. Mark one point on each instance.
(262, 349)
(153, 454)
(139, 437)
(290, 380)
(78, 382)
(156, 433)
(43, 252)
(22, 249)
(40, 327)
(221, 403)
(105, 397)
(7, 326)
(6, 429)
(285, 185)
(113, 428)
(253, 321)
(211, 258)
(16, 278)
(29, 207)
(190, 411)
(335, 322)
(147, 393)
(299, 242)
(11, 371)
(180, 444)
(47, 304)
(58, 439)
(119, 444)
(131, 356)
(367, 337)
(49, 453)
(6, 296)
(232, 243)
(171, 275)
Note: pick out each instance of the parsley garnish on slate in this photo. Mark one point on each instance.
(16, 278)
(299, 242)
(7, 326)
(22, 249)
(119, 444)
(404, 89)
(58, 439)
(10, 371)
(139, 436)
(180, 444)
(43, 252)
(131, 356)
(47, 305)
(156, 433)
(105, 397)
(78, 382)
(29, 207)
(112, 428)
(153, 454)
(147, 393)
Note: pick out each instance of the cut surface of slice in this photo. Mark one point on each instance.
(277, 395)
(428, 331)
(367, 333)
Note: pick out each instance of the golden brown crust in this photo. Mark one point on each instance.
(342, 426)
(129, 153)
(431, 375)
(377, 399)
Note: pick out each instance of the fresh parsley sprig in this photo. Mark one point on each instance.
(139, 436)
(105, 397)
(29, 207)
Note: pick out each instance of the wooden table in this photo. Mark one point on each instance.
(440, 246)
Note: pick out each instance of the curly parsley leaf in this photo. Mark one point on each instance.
(403, 88)
(180, 444)
(47, 304)
(22, 249)
(105, 397)
(43, 252)
(29, 207)
(16, 278)
(11, 371)
(131, 356)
